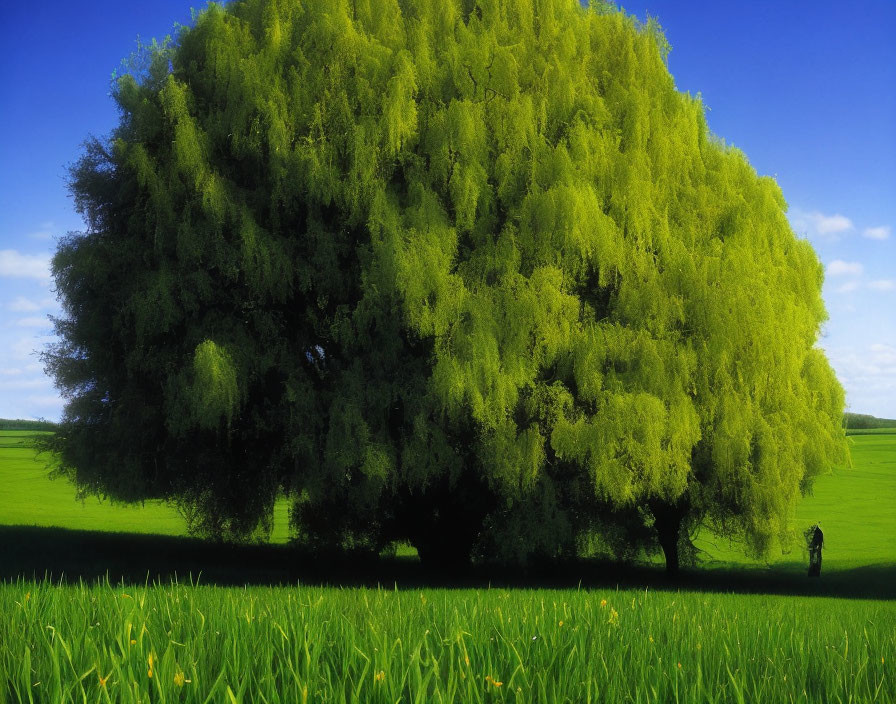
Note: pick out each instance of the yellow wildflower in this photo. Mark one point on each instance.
(103, 680)
(492, 681)
(603, 603)
(650, 638)
(125, 596)
(614, 617)
(379, 676)
(561, 624)
(28, 596)
(679, 666)
(133, 642)
(150, 661)
(467, 659)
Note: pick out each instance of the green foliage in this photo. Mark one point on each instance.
(475, 272)
(215, 392)
(19, 424)
(861, 421)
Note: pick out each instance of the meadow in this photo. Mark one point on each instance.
(730, 631)
(308, 644)
(30, 498)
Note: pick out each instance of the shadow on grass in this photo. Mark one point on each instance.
(58, 554)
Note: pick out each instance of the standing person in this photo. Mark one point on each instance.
(815, 539)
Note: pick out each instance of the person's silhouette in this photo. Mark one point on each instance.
(815, 545)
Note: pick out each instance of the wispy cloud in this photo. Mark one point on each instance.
(819, 224)
(24, 266)
(27, 346)
(44, 232)
(20, 384)
(848, 286)
(877, 233)
(51, 401)
(838, 267)
(23, 305)
(882, 285)
(33, 322)
(869, 376)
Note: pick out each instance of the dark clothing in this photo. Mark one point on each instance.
(815, 552)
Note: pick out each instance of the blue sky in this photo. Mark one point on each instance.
(806, 89)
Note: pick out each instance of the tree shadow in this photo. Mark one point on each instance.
(59, 554)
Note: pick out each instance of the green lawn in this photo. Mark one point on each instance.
(733, 632)
(30, 498)
(855, 506)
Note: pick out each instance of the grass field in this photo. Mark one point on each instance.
(732, 631)
(30, 498)
(855, 506)
(199, 644)
(867, 490)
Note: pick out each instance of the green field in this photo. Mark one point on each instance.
(30, 498)
(78, 643)
(854, 506)
(741, 631)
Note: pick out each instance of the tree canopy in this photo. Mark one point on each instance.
(469, 273)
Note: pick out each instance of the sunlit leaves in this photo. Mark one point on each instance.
(368, 252)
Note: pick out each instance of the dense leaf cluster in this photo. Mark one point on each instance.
(468, 273)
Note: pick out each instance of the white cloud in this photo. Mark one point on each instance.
(23, 305)
(20, 384)
(848, 286)
(46, 400)
(816, 223)
(45, 232)
(25, 347)
(838, 267)
(831, 224)
(33, 322)
(877, 233)
(883, 285)
(883, 354)
(869, 376)
(28, 266)
(11, 371)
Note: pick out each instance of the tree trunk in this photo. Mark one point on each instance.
(667, 521)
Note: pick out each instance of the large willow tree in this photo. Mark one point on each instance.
(470, 273)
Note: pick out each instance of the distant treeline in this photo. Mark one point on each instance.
(859, 421)
(19, 424)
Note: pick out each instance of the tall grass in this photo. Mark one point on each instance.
(182, 643)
